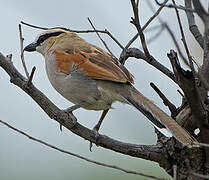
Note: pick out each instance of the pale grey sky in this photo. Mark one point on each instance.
(23, 159)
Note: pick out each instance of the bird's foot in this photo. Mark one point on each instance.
(95, 129)
(69, 112)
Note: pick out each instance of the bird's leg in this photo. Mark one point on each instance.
(97, 126)
(70, 111)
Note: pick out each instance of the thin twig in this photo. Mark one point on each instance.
(167, 27)
(137, 24)
(33, 26)
(146, 25)
(115, 59)
(173, 37)
(79, 31)
(114, 39)
(104, 43)
(170, 105)
(22, 52)
(137, 3)
(175, 6)
(77, 155)
(31, 76)
(191, 65)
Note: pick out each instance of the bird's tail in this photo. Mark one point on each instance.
(164, 123)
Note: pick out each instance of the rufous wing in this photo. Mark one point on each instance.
(95, 64)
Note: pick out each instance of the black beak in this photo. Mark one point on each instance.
(31, 47)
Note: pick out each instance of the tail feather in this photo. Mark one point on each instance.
(164, 123)
(157, 124)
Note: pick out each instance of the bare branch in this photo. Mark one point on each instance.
(146, 25)
(22, 52)
(184, 40)
(138, 54)
(31, 76)
(114, 39)
(187, 9)
(136, 22)
(187, 49)
(167, 27)
(186, 81)
(77, 155)
(205, 66)
(170, 105)
(33, 26)
(79, 31)
(192, 25)
(104, 43)
(203, 72)
(201, 11)
(137, 3)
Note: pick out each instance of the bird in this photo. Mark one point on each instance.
(92, 79)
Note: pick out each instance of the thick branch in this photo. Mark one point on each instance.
(204, 70)
(201, 11)
(187, 83)
(138, 54)
(192, 25)
(149, 152)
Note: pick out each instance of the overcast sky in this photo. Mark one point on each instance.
(21, 158)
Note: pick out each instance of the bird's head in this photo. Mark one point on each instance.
(47, 39)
